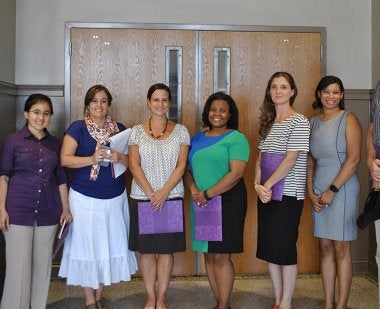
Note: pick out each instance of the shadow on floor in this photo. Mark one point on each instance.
(250, 292)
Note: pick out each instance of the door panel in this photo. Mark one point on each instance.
(255, 56)
(128, 61)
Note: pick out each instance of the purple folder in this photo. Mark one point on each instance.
(64, 231)
(168, 220)
(269, 163)
(377, 152)
(208, 220)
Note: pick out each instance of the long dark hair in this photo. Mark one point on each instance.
(267, 109)
(323, 84)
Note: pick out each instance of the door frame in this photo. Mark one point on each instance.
(198, 54)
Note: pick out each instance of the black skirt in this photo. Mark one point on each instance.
(164, 243)
(234, 210)
(277, 234)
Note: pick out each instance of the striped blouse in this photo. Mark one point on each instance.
(292, 134)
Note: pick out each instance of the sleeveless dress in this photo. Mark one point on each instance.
(328, 148)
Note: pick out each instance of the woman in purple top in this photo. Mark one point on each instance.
(33, 200)
(96, 249)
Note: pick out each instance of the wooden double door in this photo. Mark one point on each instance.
(129, 60)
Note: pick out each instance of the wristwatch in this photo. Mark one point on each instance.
(205, 195)
(334, 189)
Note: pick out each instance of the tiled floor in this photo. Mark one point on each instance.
(194, 292)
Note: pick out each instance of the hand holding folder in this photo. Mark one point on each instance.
(269, 163)
(168, 220)
(208, 220)
(63, 232)
(119, 143)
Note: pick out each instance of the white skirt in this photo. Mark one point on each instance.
(96, 248)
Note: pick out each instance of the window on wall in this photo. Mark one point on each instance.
(222, 70)
(174, 80)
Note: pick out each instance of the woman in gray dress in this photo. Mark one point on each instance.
(333, 186)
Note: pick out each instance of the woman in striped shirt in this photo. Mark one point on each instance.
(280, 179)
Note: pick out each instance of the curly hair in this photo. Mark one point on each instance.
(267, 109)
(233, 121)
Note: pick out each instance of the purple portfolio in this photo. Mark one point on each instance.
(168, 220)
(64, 231)
(269, 163)
(208, 220)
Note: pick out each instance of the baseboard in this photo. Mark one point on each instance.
(8, 89)
(365, 267)
(50, 90)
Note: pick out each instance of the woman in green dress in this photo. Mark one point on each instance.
(217, 160)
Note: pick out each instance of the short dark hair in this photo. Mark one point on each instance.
(34, 99)
(90, 94)
(323, 84)
(158, 86)
(233, 121)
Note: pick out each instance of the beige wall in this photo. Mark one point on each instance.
(40, 28)
(8, 110)
(375, 42)
(7, 40)
(7, 67)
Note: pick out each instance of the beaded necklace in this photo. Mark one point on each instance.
(162, 133)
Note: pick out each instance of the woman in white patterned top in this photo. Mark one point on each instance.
(280, 179)
(158, 151)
